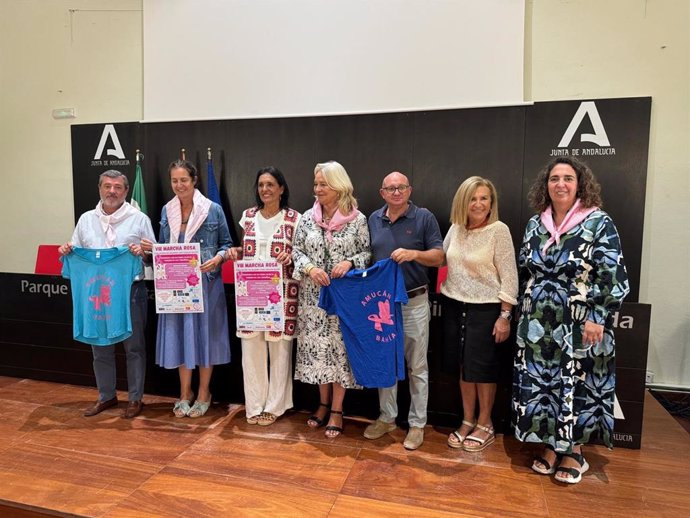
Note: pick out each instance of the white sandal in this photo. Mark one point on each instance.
(483, 443)
(457, 442)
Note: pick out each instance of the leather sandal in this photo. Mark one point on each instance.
(575, 474)
(335, 431)
(482, 443)
(550, 469)
(455, 439)
(318, 421)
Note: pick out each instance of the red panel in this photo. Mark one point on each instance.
(48, 260)
(442, 274)
(228, 270)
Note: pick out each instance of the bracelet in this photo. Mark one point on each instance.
(308, 268)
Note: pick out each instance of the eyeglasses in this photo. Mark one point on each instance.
(400, 188)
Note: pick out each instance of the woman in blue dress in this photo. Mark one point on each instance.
(185, 341)
(573, 279)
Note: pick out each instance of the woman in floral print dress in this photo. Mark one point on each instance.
(573, 279)
(331, 238)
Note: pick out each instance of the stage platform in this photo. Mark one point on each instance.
(54, 462)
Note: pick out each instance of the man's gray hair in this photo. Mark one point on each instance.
(113, 173)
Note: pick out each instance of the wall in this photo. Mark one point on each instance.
(574, 49)
(90, 59)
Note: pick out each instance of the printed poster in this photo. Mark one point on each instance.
(177, 278)
(259, 295)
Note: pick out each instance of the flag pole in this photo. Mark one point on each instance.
(212, 191)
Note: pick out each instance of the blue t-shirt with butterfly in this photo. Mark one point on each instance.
(368, 304)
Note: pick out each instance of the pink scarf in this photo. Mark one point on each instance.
(109, 221)
(573, 218)
(337, 222)
(196, 218)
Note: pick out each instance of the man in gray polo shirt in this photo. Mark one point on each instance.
(411, 237)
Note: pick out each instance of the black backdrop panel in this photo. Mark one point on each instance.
(452, 145)
(239, 149)
(97, 148)
(288, 144)
(436, 149)
(620, 167)
(36, 335)
(369, 147)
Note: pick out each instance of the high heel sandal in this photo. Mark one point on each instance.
(335, 431)
(319, 421)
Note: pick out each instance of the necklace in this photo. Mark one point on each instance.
(480, 225)
(269, 216)
(189, 214)
(325, 218)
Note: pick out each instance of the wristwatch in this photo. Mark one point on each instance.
(507, 314)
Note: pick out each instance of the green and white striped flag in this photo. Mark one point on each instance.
(138, 192)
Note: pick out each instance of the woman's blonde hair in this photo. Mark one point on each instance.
(337, 179)
(461, 202)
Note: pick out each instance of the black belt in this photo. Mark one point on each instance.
(416, 292)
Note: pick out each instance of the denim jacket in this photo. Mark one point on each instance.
(213, 236)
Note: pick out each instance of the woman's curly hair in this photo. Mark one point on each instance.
(588, 189)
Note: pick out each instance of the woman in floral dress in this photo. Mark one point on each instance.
(331, 238)
(573, 280)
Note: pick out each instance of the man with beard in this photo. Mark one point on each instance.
(114, 222)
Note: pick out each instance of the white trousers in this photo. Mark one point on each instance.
(416, 316)
(267, 368)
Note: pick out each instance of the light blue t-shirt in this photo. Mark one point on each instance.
(101, 281)
(368, 304)
(128, 230)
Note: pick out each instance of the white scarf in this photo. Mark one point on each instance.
(196, 218)
(110, 221)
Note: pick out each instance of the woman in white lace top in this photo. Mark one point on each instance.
(478, 296)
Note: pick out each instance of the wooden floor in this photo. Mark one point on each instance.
(54, 461)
